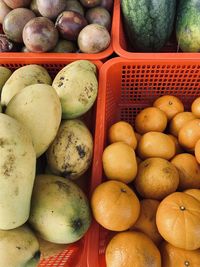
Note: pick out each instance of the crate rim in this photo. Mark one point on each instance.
(150, 60)
(9, 58)
(60, 56)
(142, 55)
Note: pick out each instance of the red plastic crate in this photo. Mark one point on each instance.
(127, 87)
(103, 56)
(122, 48)
(75, 255)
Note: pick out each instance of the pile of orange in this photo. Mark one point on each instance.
(152, 194)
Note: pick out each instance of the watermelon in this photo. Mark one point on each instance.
(188, 25)
(148, 23)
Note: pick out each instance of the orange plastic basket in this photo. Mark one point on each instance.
(75, 255)
(104, 55)
(127, 87)
(122, 48)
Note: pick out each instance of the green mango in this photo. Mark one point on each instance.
(60, 211)
(19, 248)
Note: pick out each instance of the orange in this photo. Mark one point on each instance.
(189, 171)
(194, 193)
(179, 120)
(146, 222)
(122, 131)
(189, 134)
(139, 160)
(119, 162)
(176, 257)
(150, 119)
(197, 151)
(132, 249)
(138, 136)
(156, 144)
(156, 178)
(195, 107)
(178, 220)
(115, 206)
(171, 105)
(178, 148)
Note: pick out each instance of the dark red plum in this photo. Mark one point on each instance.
(40, 35)
(99, 15)
(34, 7)
(108, 4)
(93, 39)
(90, 3)
(24, 49)
(64, 46)
(5, 44)
(51, 8)
(15, 21)
(74, 5)
(69, 24)
(4, 10)
(17, 3)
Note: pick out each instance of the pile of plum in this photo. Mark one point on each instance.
(66, 26)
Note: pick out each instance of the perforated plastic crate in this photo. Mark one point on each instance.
(127, 86)
(75, 255)
(122, 48)
(66, 258)
(103, 55)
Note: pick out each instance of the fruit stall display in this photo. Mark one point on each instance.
(158, 29)
(146, 173)
(100, 163)
(79, 29)
(46, 143)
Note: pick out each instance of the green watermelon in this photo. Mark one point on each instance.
(148, 23)
(188, 25)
